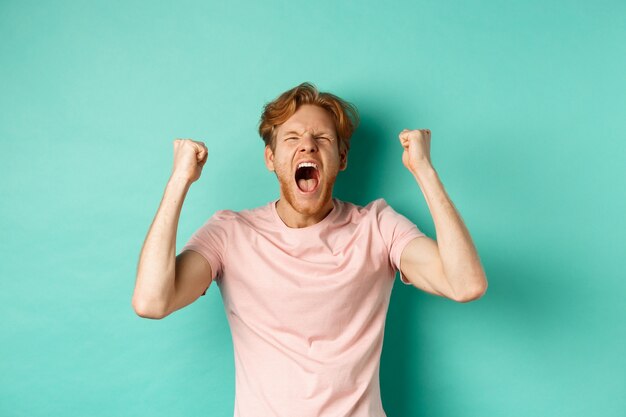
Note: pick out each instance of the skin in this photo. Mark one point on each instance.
(316, 139)
(449, 267)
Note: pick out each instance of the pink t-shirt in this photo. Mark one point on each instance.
(306, 306)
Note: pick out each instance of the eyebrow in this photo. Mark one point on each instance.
(299, 134)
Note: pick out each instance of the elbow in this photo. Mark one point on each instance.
(473, 293)
(146, 310)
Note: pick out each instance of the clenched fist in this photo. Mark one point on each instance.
(189, 158)
(416, 144)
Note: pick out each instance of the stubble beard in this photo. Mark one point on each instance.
(307, 207)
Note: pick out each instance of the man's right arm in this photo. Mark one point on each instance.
(165, 282)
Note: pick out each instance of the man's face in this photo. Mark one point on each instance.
(309, 137)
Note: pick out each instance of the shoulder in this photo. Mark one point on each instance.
(372, 210)
(225, 215)
(375, 207)
(246, 217)
(385, 216)
(222, 218)
(378, 205)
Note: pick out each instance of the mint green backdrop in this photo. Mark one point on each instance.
(526, 103)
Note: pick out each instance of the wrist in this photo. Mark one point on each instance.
(179, 181)
(424, 172)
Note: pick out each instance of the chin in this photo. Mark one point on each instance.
(307, 205)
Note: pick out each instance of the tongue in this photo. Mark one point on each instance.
(307, 185)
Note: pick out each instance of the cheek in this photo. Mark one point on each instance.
(335, 162)
(282, 169)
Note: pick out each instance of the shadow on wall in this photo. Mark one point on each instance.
(355, 183)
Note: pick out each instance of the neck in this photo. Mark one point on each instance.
(295, 219)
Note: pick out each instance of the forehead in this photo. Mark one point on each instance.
(309, 118)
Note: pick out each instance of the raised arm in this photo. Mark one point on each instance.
(449, 267)
(155, 286)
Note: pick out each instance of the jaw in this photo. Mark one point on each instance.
(311, 203)
(307, 203)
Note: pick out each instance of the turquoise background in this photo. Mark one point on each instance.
(526, 102)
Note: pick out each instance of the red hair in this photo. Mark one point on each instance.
(275, 113)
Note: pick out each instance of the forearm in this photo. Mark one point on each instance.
(157, 261)
(459, 257)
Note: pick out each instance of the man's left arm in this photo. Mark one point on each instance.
(449, 267)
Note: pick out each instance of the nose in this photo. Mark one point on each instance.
(308, 144)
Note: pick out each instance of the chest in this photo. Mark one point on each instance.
(306, 283)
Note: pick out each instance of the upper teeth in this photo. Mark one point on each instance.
(307, 164)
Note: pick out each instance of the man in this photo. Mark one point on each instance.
(306, 279)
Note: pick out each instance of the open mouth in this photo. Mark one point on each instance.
(307, 177)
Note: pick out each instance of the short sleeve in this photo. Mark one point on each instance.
(210, 241)
(397, 231)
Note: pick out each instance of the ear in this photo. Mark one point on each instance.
(269, 158)
(343, 160)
